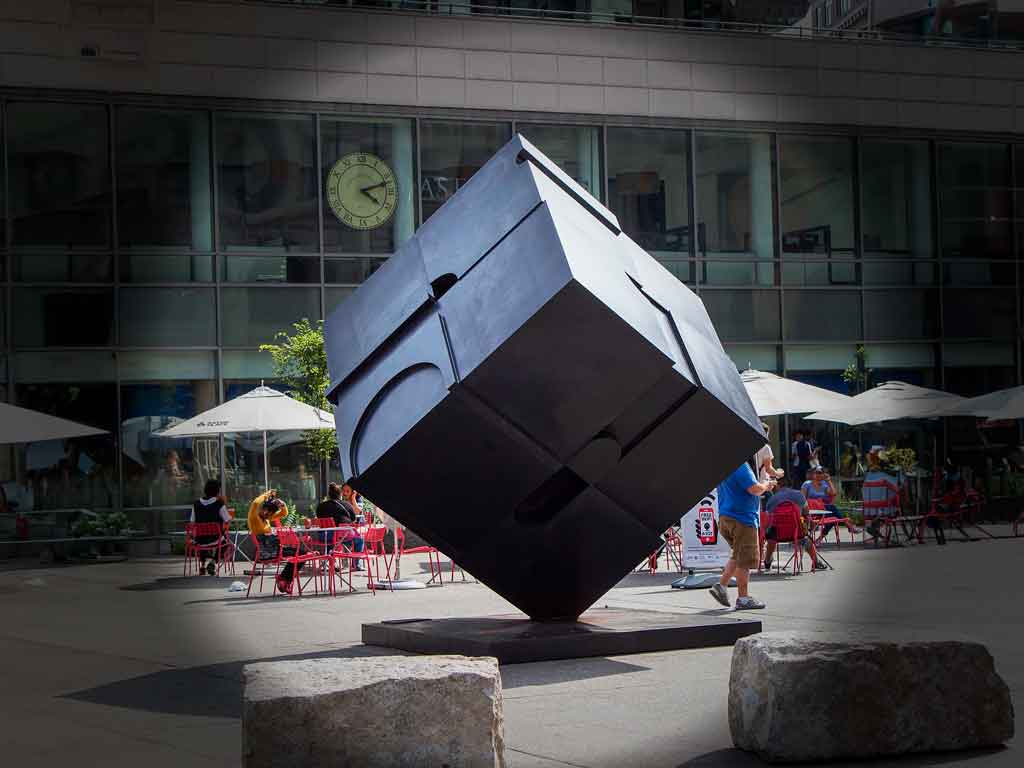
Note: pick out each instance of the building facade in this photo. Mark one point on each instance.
(164, 210)
(979, 20)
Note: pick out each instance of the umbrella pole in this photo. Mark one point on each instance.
(266, 464)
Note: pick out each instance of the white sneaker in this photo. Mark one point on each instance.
(748, 603)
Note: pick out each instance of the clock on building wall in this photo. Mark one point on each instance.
(362, 190)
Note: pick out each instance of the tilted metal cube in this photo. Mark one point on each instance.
(530, 391)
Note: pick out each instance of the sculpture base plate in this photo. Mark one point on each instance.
(515, 639)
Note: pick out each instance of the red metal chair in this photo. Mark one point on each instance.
(341, 549)
(289, 539)
(373, 552)
(260, 564)
(673, 549)
(194, 548)
(433, 556)
(321, 544)
(883, 511)
(820, 521)
(785, 519)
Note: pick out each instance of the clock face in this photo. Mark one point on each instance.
(362, 190)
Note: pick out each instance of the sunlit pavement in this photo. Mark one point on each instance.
(130, 664)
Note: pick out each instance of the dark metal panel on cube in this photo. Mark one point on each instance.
(530, 391)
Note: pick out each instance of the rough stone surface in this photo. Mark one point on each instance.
(798, 700)
(376, 711)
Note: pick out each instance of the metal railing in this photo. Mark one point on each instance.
(622, 18)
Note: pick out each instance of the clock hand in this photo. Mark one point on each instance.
(365, 192)
(375, 186)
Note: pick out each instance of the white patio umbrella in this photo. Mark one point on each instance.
(888, 402)
(261, 410)
(995, 406)
(776, 396)
(21, 425)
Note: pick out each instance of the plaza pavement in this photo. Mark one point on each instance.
(129, 664)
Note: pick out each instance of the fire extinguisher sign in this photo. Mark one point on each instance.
(703, 545)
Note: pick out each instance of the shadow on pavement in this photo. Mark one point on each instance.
(210, 691)
(182, 582)
(565, 671)
(730, 758)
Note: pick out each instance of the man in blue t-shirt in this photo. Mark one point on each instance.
(738, 511)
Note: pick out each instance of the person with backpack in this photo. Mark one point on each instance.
(211, 508)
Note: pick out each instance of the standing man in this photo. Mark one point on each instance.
(803, 459)
(738, 510)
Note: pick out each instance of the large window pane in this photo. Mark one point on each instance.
(367, 176)
(450, 154)
(59, 174)
(165, 268)
(271, 269)
(253, 316)
(62, 267)
(896, 198)
(334, 296)
(734, 195)
(903, 314)
(979, 273)
(730, 272)
(648, 188)
(163, 179)
(267, 182)
(979, 368)
(168, 317)
(78, 473)
(979, 312)
(760, 357)
(63, 317)
(157, 390)
(898, 273)
(974, 200)
(822, 315)
(744, 315)
(576, 150)
(351, 270)
(817, 197)
(832, 272)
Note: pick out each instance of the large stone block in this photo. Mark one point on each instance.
(375, 711)
(794, 700)
(530, 391)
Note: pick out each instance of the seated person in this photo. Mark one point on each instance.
(880, 493)
(343, 513)
(264, 510)
(212, 508)
(789, 496)
(820, 487)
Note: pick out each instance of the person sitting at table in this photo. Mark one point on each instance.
(211, 508)
(879, 493)
(343, 513)
(820, 487)
(797, 499)
(264, 510)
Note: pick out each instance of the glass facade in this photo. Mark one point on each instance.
(147, 252)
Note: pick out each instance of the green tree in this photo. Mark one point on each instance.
(300, 364)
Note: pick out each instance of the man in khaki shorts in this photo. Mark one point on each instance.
(738, 510)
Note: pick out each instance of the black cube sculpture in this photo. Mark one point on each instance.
(530, 391)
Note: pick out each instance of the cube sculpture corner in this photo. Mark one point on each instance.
(530, 391)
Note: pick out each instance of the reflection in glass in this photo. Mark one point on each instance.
(450, 153)
(974, 200)
(163, 179)
(74, 474)
(648, 189)
(898, 273)
(165, 268)
(575, 149)
(63, 317)
(896, 198)
(831, 272)
(65, 267)
(391, 142)
(822, 315)
(816, 178)
(167, 317)
(271, 269)
(902, 314)
(734, 207)
(351, 270)
(159, 390)
(744, 315)
(334, 296)
(979, 273)
(59, 174)
(267, 182)
(253, 316)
